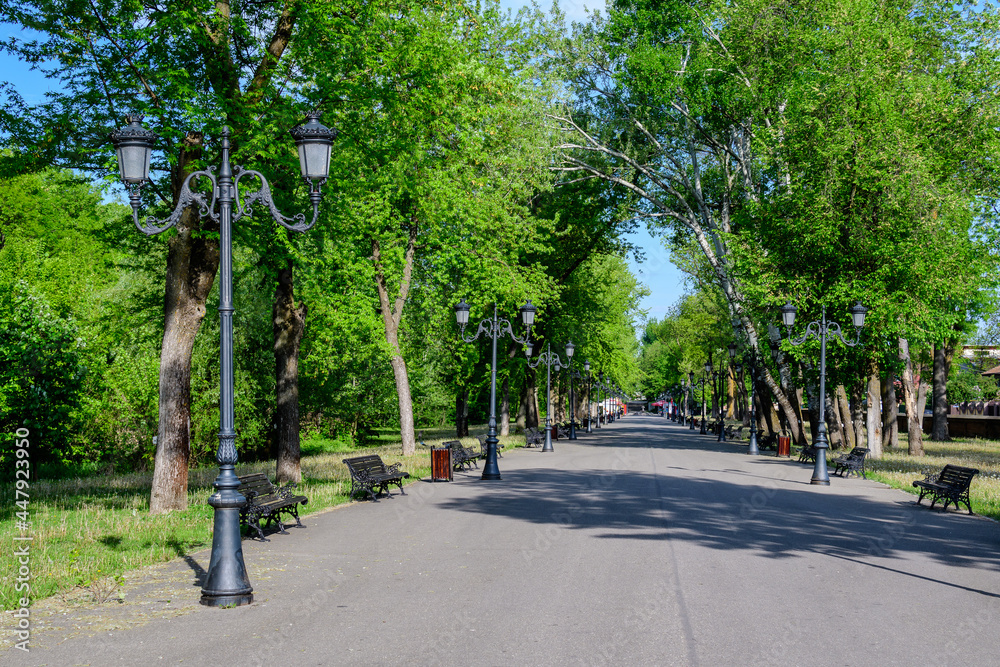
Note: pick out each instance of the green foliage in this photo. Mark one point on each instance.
(41, 375)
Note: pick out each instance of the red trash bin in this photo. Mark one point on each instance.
(784, 445)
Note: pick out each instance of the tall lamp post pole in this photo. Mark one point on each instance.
(550, 359)
(704, 400)
(227, 582)
(692, 401)
(600, 404)
(590, 389)
(494, 327)
(572, 397)
(821, 329)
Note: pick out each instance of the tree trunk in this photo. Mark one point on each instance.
(462, 413)
(858, 413)
(834, 425)
(288, 326)
(874, 416)
(942, 364)
(527, 414)
(192, 263)
(890, 412)
(845, 416)
(913, 427)
(522, 408)
(505, 406)
(392, 314)
(533, 418)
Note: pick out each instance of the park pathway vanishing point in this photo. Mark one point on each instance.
(641, 544)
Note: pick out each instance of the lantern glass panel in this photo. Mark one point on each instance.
(314, 159)
(788, 314)
(528, 314)
(858, 315)
(133, 162)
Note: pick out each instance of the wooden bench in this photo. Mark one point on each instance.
(461, 457)
(370, 475)
(266, 501)
(950, 485)
(532, 437)
(852, 462)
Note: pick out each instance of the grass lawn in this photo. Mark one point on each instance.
(87, 531)
(898, 469)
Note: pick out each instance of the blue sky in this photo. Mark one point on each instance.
(664, 280)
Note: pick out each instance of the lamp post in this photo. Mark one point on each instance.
(600, 403)
(691, 400)
(226, 583)
(753, 364)
(704, 401)
(550, 359)
(590, 389)
(494, 328)
(572, 397)
(821, 329)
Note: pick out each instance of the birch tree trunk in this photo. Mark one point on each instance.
(914, 430)
(874, 416)
(505, 407)
(392, 315)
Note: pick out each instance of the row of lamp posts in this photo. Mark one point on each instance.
(495, 328)
(821, 330)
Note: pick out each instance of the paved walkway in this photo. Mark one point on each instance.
(642, 544)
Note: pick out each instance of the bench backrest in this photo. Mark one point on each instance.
(957, 476)
(258, 483)
(451, 443)
(368, 463)
(858, 452)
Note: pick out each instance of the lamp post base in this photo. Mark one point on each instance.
(572, 430)
(820, 475)
(227, 583)
(547, 446)
(491, 471)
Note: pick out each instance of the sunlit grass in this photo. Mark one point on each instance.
(898, 469)
(99, 526)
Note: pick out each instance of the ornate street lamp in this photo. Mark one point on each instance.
(550, 359)
(226, 583)
(821, 329)
(753, 364)
(704, 401)
(572, 397)
(494, 328)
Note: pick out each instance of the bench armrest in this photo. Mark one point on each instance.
(287, 491)
(393, 469)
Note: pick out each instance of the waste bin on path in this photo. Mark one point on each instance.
(784, 445)
(441, 470)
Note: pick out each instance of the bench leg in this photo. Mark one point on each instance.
(254, 522)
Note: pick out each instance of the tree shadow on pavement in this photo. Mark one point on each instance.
(741, 511)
